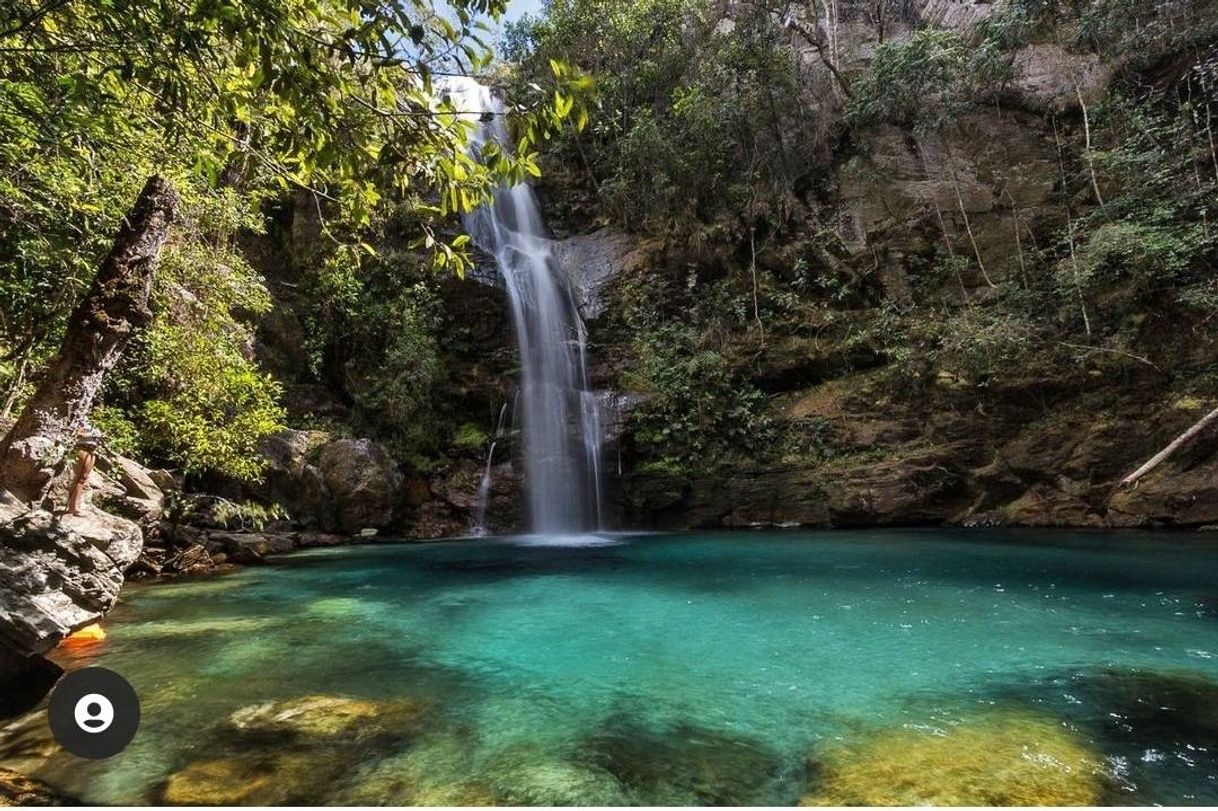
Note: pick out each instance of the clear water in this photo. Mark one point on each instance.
(558, 673)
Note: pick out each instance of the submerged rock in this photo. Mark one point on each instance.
(322, 717)
(556, 782)
(26, 744)
(17, 789)
(435, 772)
(1004, 759)
(682, 764)
(281, 779)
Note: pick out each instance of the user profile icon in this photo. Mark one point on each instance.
(94, 713)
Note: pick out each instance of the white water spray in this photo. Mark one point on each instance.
(560, 414)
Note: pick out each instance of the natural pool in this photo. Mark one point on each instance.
(869, 666)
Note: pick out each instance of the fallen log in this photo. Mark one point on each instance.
(1166, 453)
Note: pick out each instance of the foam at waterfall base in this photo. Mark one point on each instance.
(563, 539)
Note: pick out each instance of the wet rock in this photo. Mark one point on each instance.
(1171, 496)
(1174, 712)
(1003, 759)
(16, 789)
(364, 481)
(58, 574)
(1049, 507)
(591, 260)
(313, 540)
(433, 772)
(26, 744)
(250, 547)
(740, 498)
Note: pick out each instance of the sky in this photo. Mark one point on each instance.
(517, 8)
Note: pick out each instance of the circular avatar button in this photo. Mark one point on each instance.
(94, 713)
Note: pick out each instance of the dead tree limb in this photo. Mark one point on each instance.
(1176, 444)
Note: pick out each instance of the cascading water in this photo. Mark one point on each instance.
(560, 414)
(482, 500)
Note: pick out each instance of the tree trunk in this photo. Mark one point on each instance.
(1176, 444)
(115, 306)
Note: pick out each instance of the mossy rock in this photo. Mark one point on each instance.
(326, 718)
(1005, 759)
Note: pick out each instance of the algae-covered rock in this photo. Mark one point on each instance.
(286, 778)
(1005, 759)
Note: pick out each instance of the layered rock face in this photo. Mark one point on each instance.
(1037, 448)
(58, 574)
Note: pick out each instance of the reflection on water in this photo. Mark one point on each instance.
(885, 667)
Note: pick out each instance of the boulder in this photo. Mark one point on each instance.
(194, 559)
(326, 719)
(141, 498)
(310, 717)
(58, 574)
(292, 479)
(249, 547)
(364, 482)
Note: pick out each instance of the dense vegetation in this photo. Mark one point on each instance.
(736, 139)
(236, 103)
(722, 129)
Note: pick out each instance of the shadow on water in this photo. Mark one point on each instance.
(682, 763)
(1158, 729)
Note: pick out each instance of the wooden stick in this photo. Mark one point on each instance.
(1175, 445)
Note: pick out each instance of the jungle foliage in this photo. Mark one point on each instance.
(719, 128)
(235, 102)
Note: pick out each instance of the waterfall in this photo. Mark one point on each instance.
(482, 499)
(560, 415)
